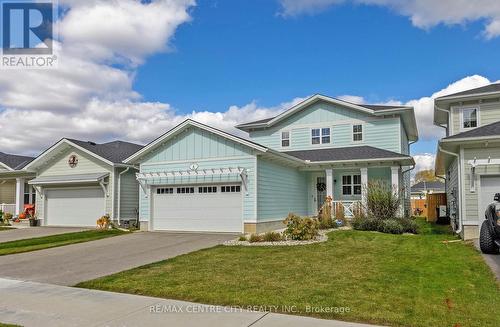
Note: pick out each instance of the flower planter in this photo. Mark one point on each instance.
(33, 222)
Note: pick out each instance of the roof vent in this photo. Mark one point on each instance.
(91, 143)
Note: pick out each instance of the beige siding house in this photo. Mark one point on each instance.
(469, 156)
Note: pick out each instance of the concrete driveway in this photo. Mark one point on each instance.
(21, 233)
(71, 264)
(492, 260)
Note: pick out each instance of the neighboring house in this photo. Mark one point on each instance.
(14, 192)
(77, 182)
(469, 156)
(198, 178)
(426, 199)
(421, 189)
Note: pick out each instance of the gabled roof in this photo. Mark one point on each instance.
(377, 110)
(14, 162)
(112, 153)
(490, 130)
(435, 186)
(189, 122)
(492, 88)
(115, 151)
(365, 153)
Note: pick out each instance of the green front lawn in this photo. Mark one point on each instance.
(398, 280)
(39, 243)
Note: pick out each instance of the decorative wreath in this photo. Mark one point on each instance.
(321, 187)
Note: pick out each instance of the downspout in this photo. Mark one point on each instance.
(120, 193)
(459, 230)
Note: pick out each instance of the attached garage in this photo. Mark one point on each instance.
(490, 185)
(207, 207)
(74, 207)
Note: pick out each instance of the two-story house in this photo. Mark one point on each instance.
(198, 178)
(469, 156)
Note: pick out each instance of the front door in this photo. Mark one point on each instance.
(318, 190)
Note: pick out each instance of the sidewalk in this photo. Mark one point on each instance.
(35, 304)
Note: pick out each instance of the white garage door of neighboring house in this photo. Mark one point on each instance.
(74, 207)
(214, 208)
(490, 185)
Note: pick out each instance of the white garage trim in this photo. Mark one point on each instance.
(149, 178)
(480, 210)
(94, 210)
(198, 209)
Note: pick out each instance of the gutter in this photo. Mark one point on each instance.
(120, 193)
(459, 230)
(447, 113)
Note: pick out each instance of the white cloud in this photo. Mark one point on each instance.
(422, 13)
(424, 161)
(352, 98)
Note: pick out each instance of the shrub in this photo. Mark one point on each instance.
(272, 237)
(382, 200)
(242, 238)
(300, 229)
(255, 238)
(365, 223)
(391, 226)
(409, 225)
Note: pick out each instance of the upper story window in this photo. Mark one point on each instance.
(469, 118)
(285, 138)
(357, 133)
(320, 135)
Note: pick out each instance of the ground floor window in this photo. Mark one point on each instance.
(230, 189)
(351, 184)
(29, 194)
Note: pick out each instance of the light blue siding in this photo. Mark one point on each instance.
(195, 143)
(383, 133)
(208, 151)
(281, 190)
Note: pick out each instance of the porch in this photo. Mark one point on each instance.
(15, 194)
(347, 187)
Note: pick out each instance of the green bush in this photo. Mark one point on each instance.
(326, 223)
(255, 238)
(364, 223)
(300, 228)
(242, 238)
(382, 200)
(272, 237)
(409, 225)
(391, 226)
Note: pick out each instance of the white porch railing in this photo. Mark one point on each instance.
(349, 207)
(8, 208)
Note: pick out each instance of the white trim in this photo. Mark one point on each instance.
(363, 133)
(256, 171)
(289, 131)
(185, 124)
(320, 136)
(5, 166)
(46, 152)
(450, 97)
(187, 161)
(462, 187)
(329, 182)
(461, 113)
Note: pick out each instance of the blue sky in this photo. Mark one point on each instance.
(234, 52)
(132, 69)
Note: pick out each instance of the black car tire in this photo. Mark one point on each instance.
(486, 240)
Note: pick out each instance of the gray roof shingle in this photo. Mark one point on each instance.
(483, 89)
(347, 153)
(432, 185)
(115, 151)
(14, 161)
(492, 129)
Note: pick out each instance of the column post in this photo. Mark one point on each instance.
(19, 195)
(364, 186)
(329, 182)
(395, 184)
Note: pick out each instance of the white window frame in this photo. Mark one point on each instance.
(283, 139)
(321, 135)
(362, 132)
(462, 111)
(352, 185)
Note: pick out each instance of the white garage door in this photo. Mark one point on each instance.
(215, 208)
(74, 207)
(490, 185)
